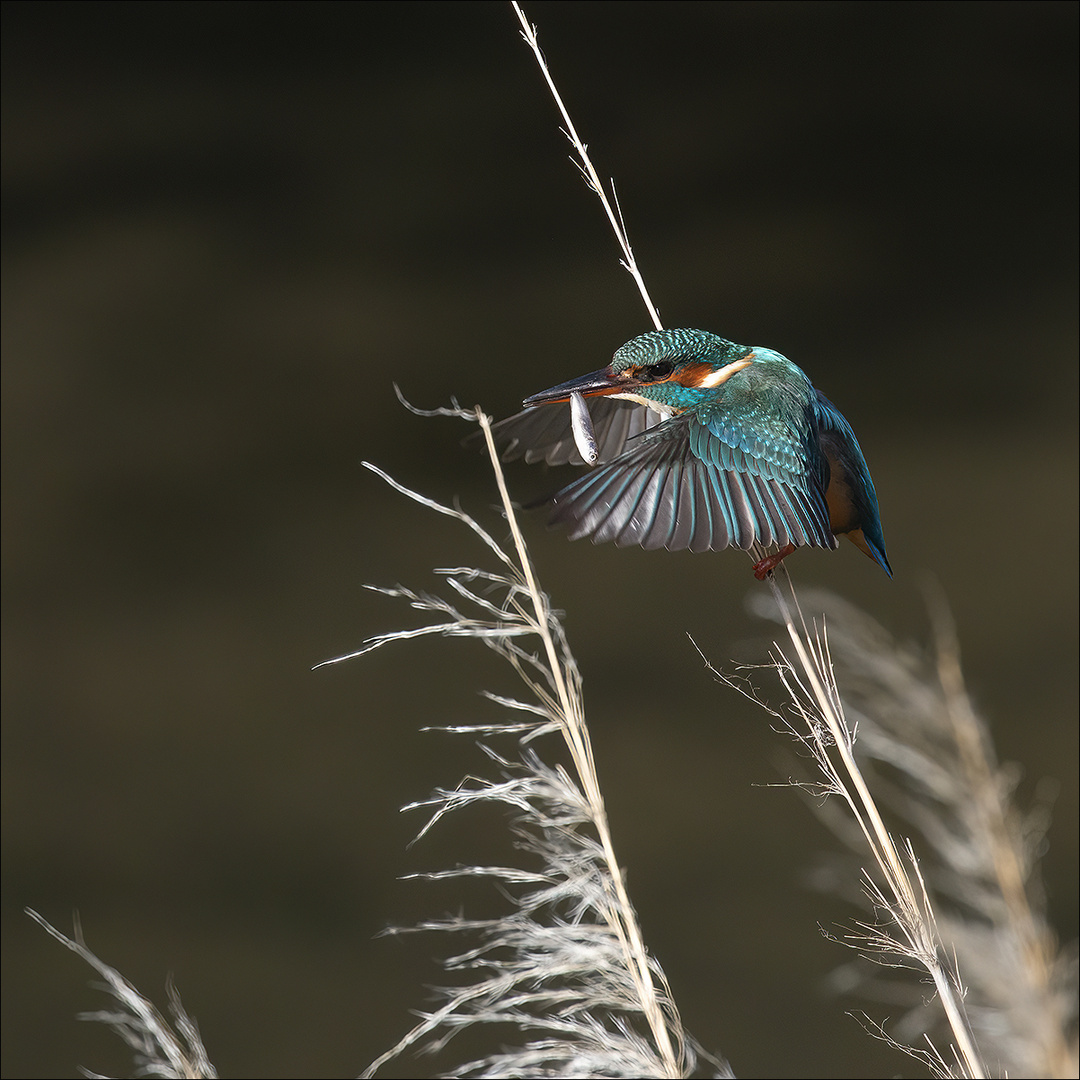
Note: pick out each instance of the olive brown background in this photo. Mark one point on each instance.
(229, 228)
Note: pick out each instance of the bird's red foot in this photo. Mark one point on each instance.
(764, 567)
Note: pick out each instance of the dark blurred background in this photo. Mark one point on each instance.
(229, 227)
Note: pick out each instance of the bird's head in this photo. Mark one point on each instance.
(667, 370)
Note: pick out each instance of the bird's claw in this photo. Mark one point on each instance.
(764, 567)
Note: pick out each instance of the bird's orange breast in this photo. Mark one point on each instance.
(840, 499)
(843, 516)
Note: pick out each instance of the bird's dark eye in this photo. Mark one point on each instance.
(660, 370)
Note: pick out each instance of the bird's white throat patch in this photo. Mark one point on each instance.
(664, 410)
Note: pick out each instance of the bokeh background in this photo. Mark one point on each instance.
(229, 227)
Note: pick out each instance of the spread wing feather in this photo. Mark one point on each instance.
(667, 493)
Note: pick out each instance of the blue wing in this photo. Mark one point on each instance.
(684, 486)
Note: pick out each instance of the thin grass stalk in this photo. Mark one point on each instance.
(910, 908)
(582, 977)
(163, 1049)
(933, 765)
(579, 743)
(614, 212)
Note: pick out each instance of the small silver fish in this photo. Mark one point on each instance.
(581, 422)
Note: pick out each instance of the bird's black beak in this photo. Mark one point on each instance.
(596, 383)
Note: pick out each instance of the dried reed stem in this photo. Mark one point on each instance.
(611, 206)
(579, 743)
(909, 906)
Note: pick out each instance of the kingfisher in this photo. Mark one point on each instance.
(701, 444)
